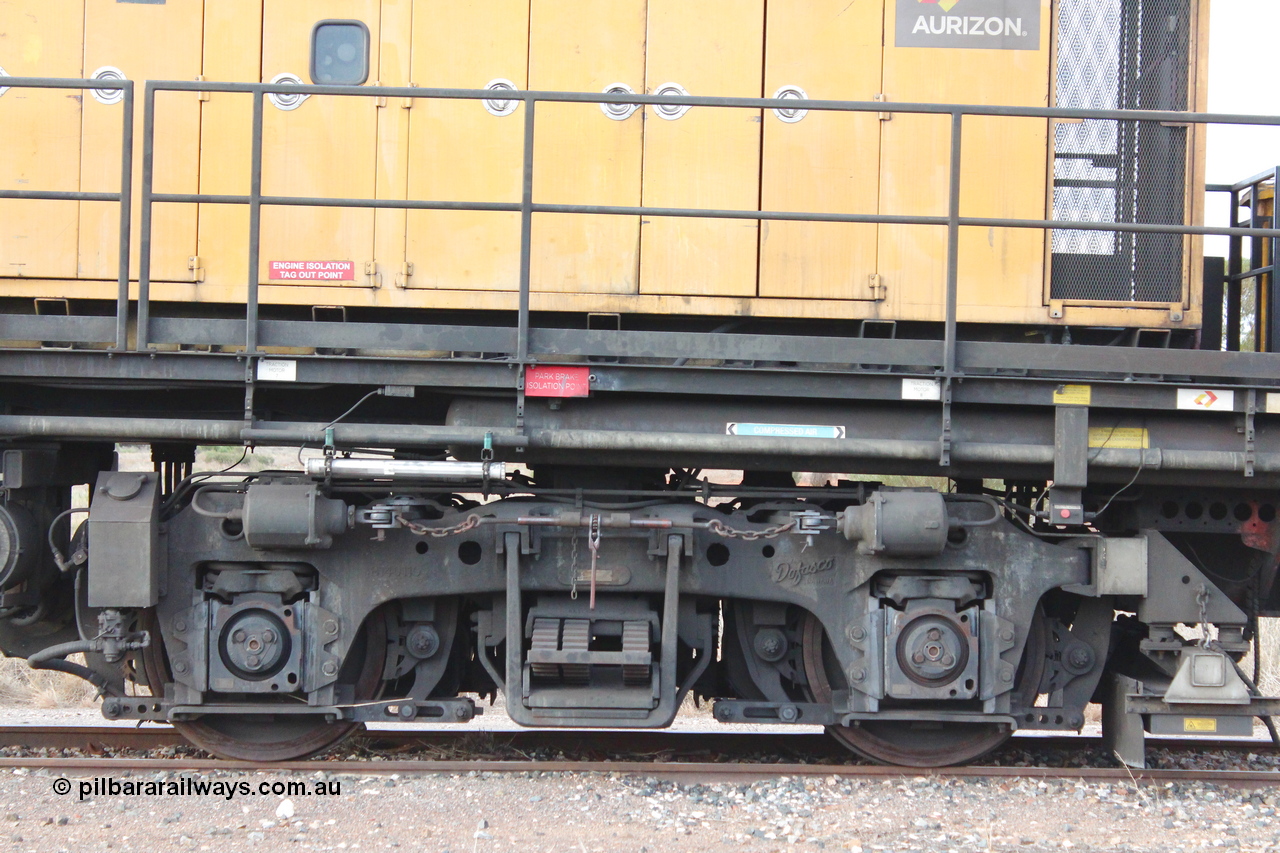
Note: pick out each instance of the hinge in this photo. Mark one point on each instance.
(407, 103)
(202, 96)
(371, 270)
(883, 98)
(380, 101)
(196, 268)
(402, 278)
(944, 441)
(1250, 435)
(876, 282)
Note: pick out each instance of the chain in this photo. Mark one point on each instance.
(470, 523)
(719, 528)
(1202, 599)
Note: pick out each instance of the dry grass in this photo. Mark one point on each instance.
(20, 685)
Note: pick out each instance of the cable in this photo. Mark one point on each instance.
(1142, 461)
(374, 393)
(58, 558)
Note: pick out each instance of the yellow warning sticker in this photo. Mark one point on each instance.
(1199, 724)
(1073, 395)
(1119, 438)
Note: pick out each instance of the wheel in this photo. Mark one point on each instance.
(279, 737)
(912, 743)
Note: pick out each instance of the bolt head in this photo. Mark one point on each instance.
(331, 626)
(460, 712)
(1006, 635)
(238, 636)
(269, 636)
(859, 675)
(253, 661)
(789, 713)
(1006, 677)
(179, 626)
(180, 666)
(948, 660)
(934, 634)
(857, 633)
(330, 668)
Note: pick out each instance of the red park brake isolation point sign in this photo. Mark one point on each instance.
(556, 381)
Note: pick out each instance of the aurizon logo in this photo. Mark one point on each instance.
(964, 25)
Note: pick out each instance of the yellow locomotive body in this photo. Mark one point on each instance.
(885, 163)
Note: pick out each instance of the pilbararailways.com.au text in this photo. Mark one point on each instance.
(192, 786)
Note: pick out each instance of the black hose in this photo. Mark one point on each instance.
(52, 658)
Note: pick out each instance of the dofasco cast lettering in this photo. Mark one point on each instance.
(989, 24)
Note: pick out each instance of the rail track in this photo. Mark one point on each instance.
(716, 756)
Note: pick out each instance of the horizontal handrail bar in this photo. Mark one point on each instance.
(705, 101)
(712, 213)
(63, 83)
(52, 195)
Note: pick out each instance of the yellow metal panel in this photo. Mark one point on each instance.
(709, 157)
(41, 133)
(1002, 175)
(460, 152)
(392, 178)
(325, 148)
(146, 42)
(233, 52)
(825, 162)
(582, 155)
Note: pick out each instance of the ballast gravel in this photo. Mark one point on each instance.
(536, 811)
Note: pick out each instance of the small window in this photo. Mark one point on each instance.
(339, 53)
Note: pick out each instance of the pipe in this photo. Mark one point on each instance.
(401, 469)
(285, 433)
(53, 658)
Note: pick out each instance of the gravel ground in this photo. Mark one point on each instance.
(593, 813)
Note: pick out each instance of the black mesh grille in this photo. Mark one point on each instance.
(1120, 54)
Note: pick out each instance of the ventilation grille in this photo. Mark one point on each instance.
(1131, 55)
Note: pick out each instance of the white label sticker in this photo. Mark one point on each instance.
(921, 389)
(1206, 399)
(277, 370)
(1273, 403)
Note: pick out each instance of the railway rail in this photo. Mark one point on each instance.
(667, 755)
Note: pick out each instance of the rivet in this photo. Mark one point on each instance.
(1006, 635)
(180, 626)
(1006, 677)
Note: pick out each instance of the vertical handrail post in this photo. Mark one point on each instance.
(126, 218)
(144, 227)
(953, 248)
(122, 293)
(526, 234)
(1235, 266)
(255, 226)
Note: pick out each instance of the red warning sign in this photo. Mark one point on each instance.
(313, 270)
(548, 381)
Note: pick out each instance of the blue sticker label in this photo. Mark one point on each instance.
(785, 430)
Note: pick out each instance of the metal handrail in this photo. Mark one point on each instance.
(1266, 328)
(124, 197)
(527, 207)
